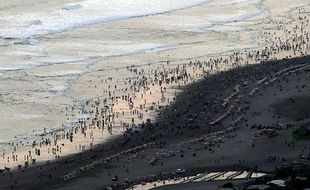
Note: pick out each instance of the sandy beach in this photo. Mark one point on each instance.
(238, 148)
(204, 95)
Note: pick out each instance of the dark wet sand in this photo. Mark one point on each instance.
(188, 117)
(295, 108)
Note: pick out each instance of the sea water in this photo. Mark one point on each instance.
(48, 47)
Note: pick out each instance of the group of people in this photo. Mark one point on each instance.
(127, 105)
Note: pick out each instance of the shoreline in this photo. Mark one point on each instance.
(194, 45)
(160, 91)
(109, 147)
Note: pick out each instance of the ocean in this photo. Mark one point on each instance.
(51, 49)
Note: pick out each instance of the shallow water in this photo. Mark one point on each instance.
(49, 49)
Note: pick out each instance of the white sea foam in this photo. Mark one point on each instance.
(30, 41)
(29, 60)
(72, 6)
(34, 133)
(16, 68)
(61, 73)
(87, 12)
(213, 20)
(22, 49)
(240, 15)
(60, 89)
(240, 2)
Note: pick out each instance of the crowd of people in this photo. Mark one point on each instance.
(128, 105)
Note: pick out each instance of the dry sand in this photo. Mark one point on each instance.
(229, 152)
(187, 118)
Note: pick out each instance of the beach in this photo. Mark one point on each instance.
(89, 104)
(237, 147)
(47, 73)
